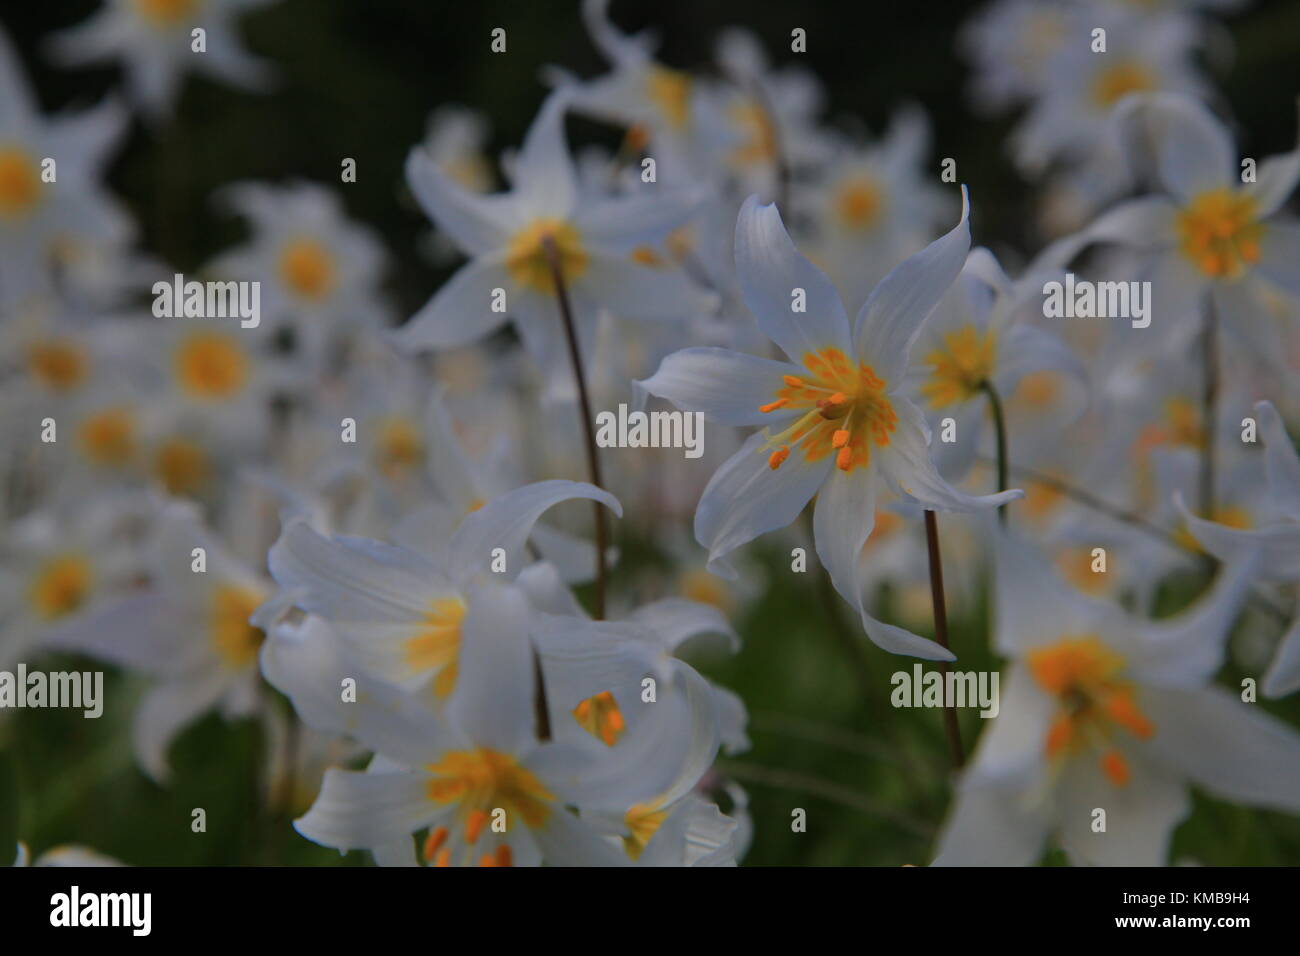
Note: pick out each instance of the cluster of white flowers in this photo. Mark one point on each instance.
(353, 507)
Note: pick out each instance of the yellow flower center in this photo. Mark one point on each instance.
(58, 364)
(1218, 232)
(307, 268)
(704, 588)
(530, 251)
(1076, 566)
(1038, 389)
(481, 781)
(670, 91)
(436, 647)
(960, 366)
(165, 13)
(399, 448)
(601, 718)
(181, 466)
(61, 586)
(759, 143)
(20, 182)
(847, 411)
(210, 365)
(237, 642)
(1118, 80)
(108, 437)
(858, 203)
(1094, 702)
(643, 822)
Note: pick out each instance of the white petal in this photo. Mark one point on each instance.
(461, 311)
(1140, 816)
(1279, 251)
(1192, 149)
(493, 704)
(617, 226)
(358, 811)
(769, 269)
(1145, 222)
(167, 709)
(635, 291)
(1283, 675)
(1281, 461)
(478, 224)
(728, 387)
(898, 306)
(673, 621)
(991, 825)
(544, 171)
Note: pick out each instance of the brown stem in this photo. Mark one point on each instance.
(588, 421)
(950, 726)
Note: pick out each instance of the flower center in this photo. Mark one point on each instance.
(601, 718)
(859, 202)
(307, 268)
(399, 448)
(61, 586)
(759, 143)
(670, 91)
(481, 781)
(210, 365)
(108, 437)
(1218, 232)
(20, 183)
(1115, 82)
(236, 641)
(436, 647)
(181, 466)
(58, 364)
(165, 13)
(529, 254)
(960, 366)
(1094, 702)
(847, 411)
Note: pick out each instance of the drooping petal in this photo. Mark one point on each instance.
(1283, 676)
(746, 497)
(672, 621)
(478, 224)
(1192, 149)
(461, 311)
(167, 709)
(728, 387)
(898, 306)
(359, 811)
(1147, 222)
(770, 270)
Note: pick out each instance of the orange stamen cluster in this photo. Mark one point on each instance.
(1218, 231)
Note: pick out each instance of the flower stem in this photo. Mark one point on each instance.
(1000, 429)
(950, 727)
(588, 421)
(1209, 406)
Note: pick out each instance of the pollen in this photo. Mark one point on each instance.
(600, 717)
(308, 269)
(846, 411)
(107, 437)
(399, 448)
(61, 586)
(481, 781)
(859, 203)
(960, 366)
(530, 263)
(436, 646)
(1095, 703)
(773, 406)
(236, 640)
(181, 466)
(1219, 233)
(58, 364)
(1120, 79)
(20, 183)
(211, 366)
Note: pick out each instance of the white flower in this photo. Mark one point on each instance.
(1101, 710)
(840, 421)
(508, 236)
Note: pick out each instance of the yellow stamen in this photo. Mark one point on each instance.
(1218, 231)
(433, 843)
(530, 251)
(777, 458)
(1116, 768)
(308, 269)
(474, 826)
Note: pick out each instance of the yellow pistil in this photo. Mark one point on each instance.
(859, 202)
(1118, 80)
(165, 13)
(960, 366)
(210, 365)
(399, 448)
(181, 466)
(1094, 702)
(600, 717)
(643, 822)
(61, 586)
(845, 410)
(529, 263)
(1219, 233)
(237, 641)
(58, 364)
(108, 437)
(308, 269)
(437, 645)
(480, 781)
(670, 91)
(20, 183)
